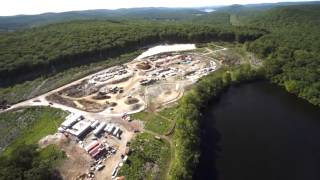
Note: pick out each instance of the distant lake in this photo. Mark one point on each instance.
(258, 131)
(208, 10)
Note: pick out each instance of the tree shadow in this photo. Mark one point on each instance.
(209, 148)
(56, 175)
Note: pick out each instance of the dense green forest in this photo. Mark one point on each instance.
(43, 84)
(291, 50)
(18, 22)
(51, 49)
(26, 162)
(286, 38)
(12, 23)
(21, 158)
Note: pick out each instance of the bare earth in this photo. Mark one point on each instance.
(169, 87)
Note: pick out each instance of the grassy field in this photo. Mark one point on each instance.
(213, 46)
(169, 112)
(29, 89)
(154, 122)
(149, 157)
(28, 126)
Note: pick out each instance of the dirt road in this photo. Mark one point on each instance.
(42, 101)
(106, 114)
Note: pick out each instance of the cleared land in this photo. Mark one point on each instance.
(148, 159)
(28, 126)
(150, 83)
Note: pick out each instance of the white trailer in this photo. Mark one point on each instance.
(109, 130)
(95, 124)
(112, 129)
(71, 120)
(115, 132)
(100, 128)
(61, 130)
(107, 127)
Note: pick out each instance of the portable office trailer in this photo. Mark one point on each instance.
(115, 132)
(95, 124)
(100, 128)
(112, 129)
(92, 145)
(97, 153)
(119, 134)
(60, 129)
(107, 127)
(71, 119)
(95, 149)
(80, 128)
(109, 130)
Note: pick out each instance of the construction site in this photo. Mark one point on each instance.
(132, 87)
(96, 148)
(96, 133)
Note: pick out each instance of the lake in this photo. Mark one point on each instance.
(258, 131)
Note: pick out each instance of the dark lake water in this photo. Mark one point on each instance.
(258, 131)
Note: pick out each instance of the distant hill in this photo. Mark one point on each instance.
(236, 8)
(11, 23)
(291, 49)
(214, 14)
(213, 18)
(288, 16)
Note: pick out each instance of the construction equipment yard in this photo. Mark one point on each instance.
(96, 132)
(126, 88)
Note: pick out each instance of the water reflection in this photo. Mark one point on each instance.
(258, 131)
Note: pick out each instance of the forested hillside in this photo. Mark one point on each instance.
(42, 51)
(220, 19)
(292, 49)
(290, 43)
(12, 23)
(237, 8)
(286, 38)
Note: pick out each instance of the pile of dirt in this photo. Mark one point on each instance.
(77, 163)
(100, 96)
(60, 100)
(113, 104)
(80, 90)
(131, 101)
(92, 106)
(143, 66)
(168, 92)
(135, 107)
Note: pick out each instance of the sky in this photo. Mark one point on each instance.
(14, 7)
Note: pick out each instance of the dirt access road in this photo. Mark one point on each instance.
(42, 101)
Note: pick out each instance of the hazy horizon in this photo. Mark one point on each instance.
(30, 7)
